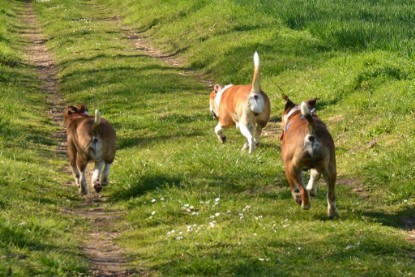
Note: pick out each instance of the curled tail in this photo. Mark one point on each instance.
(255, 80)
(307, 115)
(255, 99)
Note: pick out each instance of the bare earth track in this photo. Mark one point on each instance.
(104, 256)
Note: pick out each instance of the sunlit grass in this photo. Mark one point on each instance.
(197, 207)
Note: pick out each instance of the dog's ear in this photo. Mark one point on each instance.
(311, 104)
(288, 103)
(70, 110)
(82, 108)
(217, 87)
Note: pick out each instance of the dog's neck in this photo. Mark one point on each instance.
(290, 113)
(74, 116)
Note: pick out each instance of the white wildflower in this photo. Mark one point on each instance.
(246, 208)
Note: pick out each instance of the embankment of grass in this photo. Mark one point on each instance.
(35, 235)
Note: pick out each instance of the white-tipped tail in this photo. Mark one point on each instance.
(97, 117)
(304, 109)
(256, 88)
(256, 59)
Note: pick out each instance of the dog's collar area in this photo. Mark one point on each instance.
(290, 113)
(287, 122)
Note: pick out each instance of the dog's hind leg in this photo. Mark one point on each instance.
(72, 154)
(105, 174)
(81, 166)
(258, 133)
(246, 130)
(298, 191)
(96, 174)
(331, 196)
(312, 183)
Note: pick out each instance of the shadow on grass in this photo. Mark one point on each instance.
(128, 142)
(145, 184)
(404, 219)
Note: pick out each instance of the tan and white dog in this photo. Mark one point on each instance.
(247, 106)
(307, 144)
(89, 139)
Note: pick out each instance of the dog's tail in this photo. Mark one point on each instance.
(305, 111)
(255, 80)
(92, 147)
(97, 120)
(256, 100)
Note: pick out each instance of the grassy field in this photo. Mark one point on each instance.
(194, 206)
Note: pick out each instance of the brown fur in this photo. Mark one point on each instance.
(87, 141)
(235, 107)
(307, 144)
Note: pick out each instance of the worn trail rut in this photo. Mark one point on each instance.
(104, 256)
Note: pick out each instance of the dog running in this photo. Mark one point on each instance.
(89, 139)
(246, 106)
(306, 144)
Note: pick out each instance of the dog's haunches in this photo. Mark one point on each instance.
(89, 139)
(307, 144)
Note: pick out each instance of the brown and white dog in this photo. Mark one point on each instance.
(247, 106)
(89, 139)
(307, 144)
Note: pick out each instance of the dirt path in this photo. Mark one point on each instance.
(105, 257)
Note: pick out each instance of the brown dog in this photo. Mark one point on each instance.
(89, 139)
(307, 144)
(245, 105)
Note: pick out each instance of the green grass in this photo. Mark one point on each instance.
(34, 233)
(194, 206)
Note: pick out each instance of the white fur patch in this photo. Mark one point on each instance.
(256, 105)
(218, 96)
(293, 110)
(256, 59)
